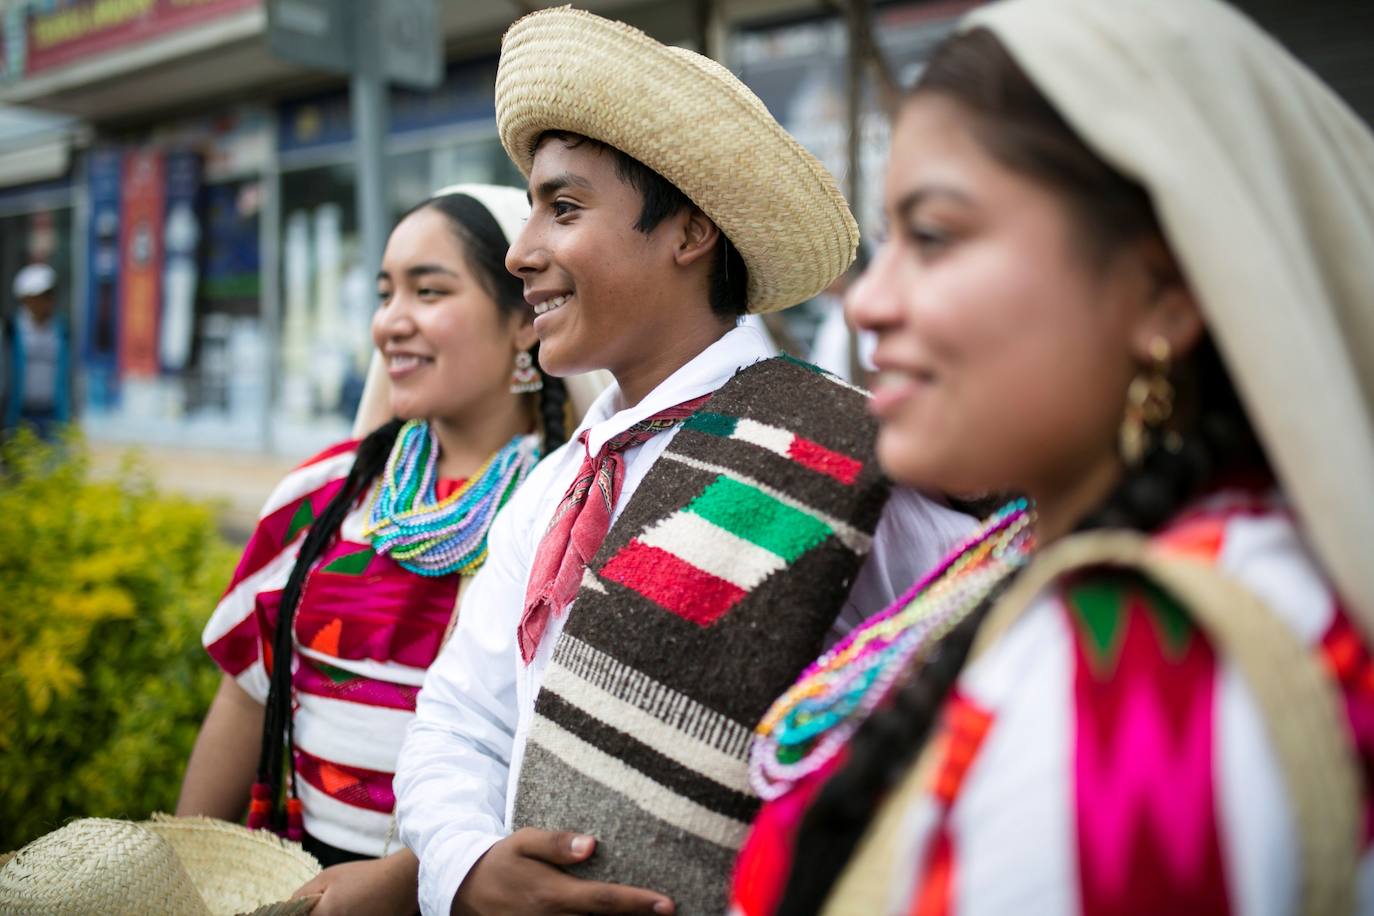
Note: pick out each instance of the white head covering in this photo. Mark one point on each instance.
(510, 208)
(34, 280)
(1264, 183)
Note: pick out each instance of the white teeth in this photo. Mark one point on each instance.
(402, 361)
(889, 377)
(548, 305)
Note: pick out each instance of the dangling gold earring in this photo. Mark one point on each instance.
(1149, 404)
(524, 378)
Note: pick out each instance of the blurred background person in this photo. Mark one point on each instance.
(35, 351)
(353, 573)
(1141, 297)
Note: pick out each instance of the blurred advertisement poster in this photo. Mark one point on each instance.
(181, 241)
(140, 270)
(55, 34)
(105, 177)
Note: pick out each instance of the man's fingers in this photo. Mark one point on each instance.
(575, 895)
(553, 847)
(564, 893)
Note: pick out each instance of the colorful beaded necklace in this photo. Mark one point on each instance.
(435, 538)
(812, 722)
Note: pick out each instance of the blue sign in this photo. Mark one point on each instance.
(466, 96)
(105, 169)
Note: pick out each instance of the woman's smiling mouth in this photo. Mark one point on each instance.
(402, 364)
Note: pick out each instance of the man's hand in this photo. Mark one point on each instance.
(372, 886)
(522, 876)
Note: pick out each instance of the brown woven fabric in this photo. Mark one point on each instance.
(642, 723)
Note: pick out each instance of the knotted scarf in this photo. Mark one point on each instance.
(580, 523)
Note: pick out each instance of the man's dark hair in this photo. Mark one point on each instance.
(662, 199)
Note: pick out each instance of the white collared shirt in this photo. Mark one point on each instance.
(462, 755)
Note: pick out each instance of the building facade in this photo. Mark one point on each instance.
(198, 195)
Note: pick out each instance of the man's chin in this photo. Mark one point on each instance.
(561, 363)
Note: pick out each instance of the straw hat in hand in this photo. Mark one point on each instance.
(178, 866)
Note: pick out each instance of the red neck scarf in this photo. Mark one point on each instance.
(580, 524)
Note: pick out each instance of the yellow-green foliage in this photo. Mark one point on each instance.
(104, 587)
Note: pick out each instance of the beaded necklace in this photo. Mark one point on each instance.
(809, 724)
(435, 538)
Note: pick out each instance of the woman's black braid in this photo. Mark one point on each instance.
(277, 727)
(553, 400)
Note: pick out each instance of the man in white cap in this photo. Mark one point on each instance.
(717, 516)
(36, 355)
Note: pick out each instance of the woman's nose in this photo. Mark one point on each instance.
(874, 301)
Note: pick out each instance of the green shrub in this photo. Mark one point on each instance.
(104, 588)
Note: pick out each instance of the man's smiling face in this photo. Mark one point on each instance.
(598, 285)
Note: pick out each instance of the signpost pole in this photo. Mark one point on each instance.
(367, 88)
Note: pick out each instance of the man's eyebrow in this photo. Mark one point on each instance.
(552, 186)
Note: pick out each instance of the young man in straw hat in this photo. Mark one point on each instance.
(661, 578)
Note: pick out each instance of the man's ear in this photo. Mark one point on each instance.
(697, 239)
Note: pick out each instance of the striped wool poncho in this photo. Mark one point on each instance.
(716, 586)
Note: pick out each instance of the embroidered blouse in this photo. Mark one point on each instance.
(366, 632)
(1102, 757)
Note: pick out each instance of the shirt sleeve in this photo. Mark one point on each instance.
(233, 634)
(914, 534)
(455, 762)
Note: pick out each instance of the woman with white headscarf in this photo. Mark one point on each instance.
(351, 578)
(1129, 276)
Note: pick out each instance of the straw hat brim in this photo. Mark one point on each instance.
(692, 121)
(169, 865)
(237, 870)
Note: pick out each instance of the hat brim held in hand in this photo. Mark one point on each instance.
(177, 866)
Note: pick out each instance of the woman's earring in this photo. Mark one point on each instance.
(1149, 404)
(525, 378)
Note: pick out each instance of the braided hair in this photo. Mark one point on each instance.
(1020, 128)
(485, 245)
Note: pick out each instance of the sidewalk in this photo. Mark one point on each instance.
(239, 481)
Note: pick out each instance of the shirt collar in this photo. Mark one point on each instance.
(704, 373)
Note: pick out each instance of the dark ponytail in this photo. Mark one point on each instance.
(277, 726)
(1213, 439)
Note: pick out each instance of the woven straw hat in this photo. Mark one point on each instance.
(689, 119)
(175, 866)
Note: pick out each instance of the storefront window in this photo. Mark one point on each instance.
(801, 72)
(228, 371)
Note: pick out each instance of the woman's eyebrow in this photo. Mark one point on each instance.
(421, 269)
(913, 199)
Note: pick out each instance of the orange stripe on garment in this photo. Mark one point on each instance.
(936, 892)
(1200, 539)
